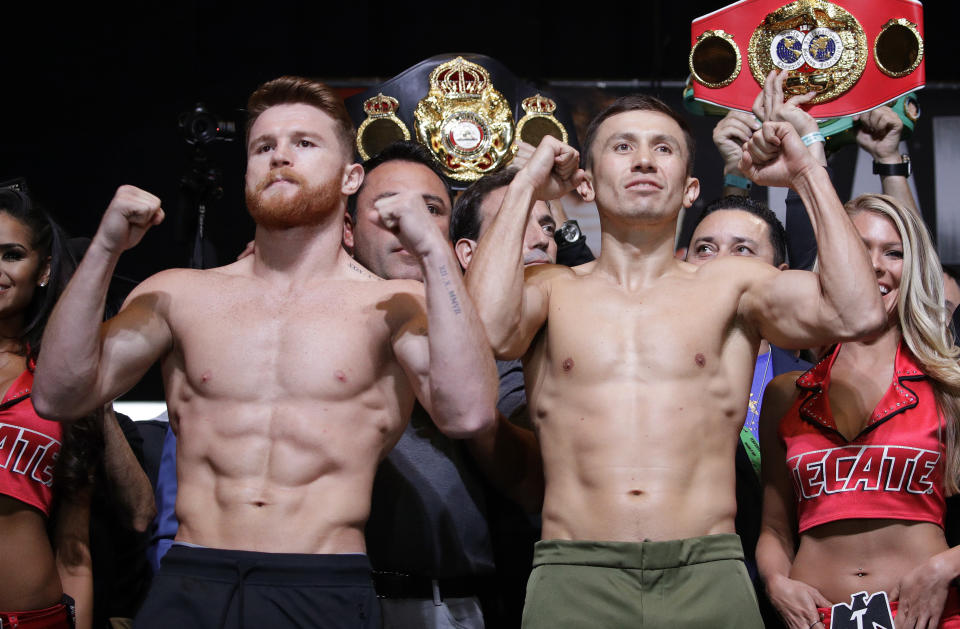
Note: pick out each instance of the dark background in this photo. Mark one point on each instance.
(92, 94)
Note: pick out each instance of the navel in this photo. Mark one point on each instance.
(567, 364)
(635, 492)
(700, 360)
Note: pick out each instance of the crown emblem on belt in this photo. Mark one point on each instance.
(464, 121)
(538, 120)
(381, 126)
(461, 79)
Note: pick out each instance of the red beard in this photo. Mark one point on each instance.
(308, 207)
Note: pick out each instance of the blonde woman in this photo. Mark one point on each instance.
(860, 451)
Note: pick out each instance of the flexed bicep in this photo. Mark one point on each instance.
(118, 353)
(788, 309)
(132, 341)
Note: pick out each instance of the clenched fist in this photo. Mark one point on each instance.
(879, 134)
(775, 156)
(131, 213)
(407, 216)
(553, 169)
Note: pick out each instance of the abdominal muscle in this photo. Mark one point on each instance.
(291, 477)
(637, 466)
(849, 556)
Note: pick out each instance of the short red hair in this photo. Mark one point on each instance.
(288, 90)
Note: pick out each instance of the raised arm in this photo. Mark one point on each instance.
(797, 602)
(771, 105)
(879, 135)
(797, 309)
(83, 365)
(513, 310)
(451, 367)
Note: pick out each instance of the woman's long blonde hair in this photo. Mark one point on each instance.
(923, 315)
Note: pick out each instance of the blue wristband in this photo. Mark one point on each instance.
(810, 138)
(736, 181)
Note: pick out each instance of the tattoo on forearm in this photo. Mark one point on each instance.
(451, 293)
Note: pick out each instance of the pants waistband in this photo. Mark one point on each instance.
(639, 555)
(56, 616)
(268, 568)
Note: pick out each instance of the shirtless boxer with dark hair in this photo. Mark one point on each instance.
(638, 367)
(289, 375)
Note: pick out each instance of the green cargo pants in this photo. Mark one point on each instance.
(700, 582)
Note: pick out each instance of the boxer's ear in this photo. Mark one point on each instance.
(352, 178)
(465, 248)
(585, 188)
(691, 192)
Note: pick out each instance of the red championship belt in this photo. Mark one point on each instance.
(856, 54)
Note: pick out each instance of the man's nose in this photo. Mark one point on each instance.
(537, 238)
(643, 159)
(280, 155)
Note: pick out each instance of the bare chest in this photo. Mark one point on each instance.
(237, 344)
(672, 332)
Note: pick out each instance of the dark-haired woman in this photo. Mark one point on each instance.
(44, 473)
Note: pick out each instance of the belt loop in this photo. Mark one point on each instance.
(435, 584)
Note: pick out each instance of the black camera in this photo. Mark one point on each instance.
(200, 126)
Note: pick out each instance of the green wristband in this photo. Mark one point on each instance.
(736, 181)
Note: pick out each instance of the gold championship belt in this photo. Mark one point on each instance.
(381, 126)
(448, 103)
(854, 54)
(539, 121)
(464, 121)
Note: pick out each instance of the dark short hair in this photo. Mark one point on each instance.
(402, 152)
(775, 230)
(291, 90)
(638, 102)
(465, 221)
